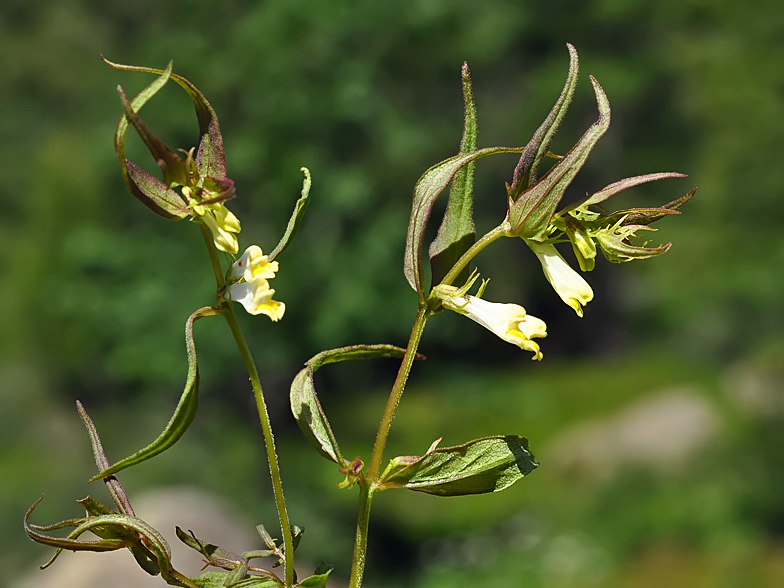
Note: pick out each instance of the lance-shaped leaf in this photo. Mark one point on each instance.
(457, 231)
(319, 577)
(538, 146)
(305, 404)
(621, 185)
(489, 464)
(210, 158)
(296, 216)
(147, 189)
(646, 216)
(427, 189)
(116, 490)
(184, 413)
(172, 166)
(530, 214)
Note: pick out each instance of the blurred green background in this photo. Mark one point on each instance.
(657, 418)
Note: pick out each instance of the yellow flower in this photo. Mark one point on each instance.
(251, 288)
(253, 264)
(256, 297)
(509, 321)
(221, 222)
(568, 284)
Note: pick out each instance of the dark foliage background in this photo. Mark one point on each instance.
(366, 94)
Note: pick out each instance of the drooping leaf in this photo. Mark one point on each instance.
(296, 216)
(305, 404)
(427, 189)
(210, 158)
(319, 577)
(538, 146)
(489, 464)
(184, 413)
(457, 231)
(530, 214)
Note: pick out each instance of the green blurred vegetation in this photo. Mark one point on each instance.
(366, 94)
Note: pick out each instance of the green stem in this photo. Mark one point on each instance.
(269, 439)
(216, 266)
(368, 486)
(360, 543)
(396, 394)
(465, 259)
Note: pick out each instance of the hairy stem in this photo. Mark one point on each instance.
(465, 259)
(269, 439)
(368, 487)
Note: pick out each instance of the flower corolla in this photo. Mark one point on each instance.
(251, 288)
(223, 225)
(566, 282)
(508, 321)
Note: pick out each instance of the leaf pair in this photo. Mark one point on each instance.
(484, 465)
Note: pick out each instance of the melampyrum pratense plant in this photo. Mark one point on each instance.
(195, 186)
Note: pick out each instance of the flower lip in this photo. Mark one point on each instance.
(256, 296)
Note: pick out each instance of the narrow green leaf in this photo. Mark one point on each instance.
(457, 231)
(296, 216)
(116, 490)
(305, 404)
(538, 146)
(625, 184)
(530, 214)
(95, 507)
(646, 216)
(208, 550)
(319, 577)
(427, 189)
(210, 158)
(484, 465)
(184, 413)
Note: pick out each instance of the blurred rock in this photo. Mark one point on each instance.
(207, 515)
(662, 431)
(757, 391)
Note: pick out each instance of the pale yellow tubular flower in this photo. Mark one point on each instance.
(222, 224)
(508, 321)
(256, 296)
(253, 264)
(568, 284)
